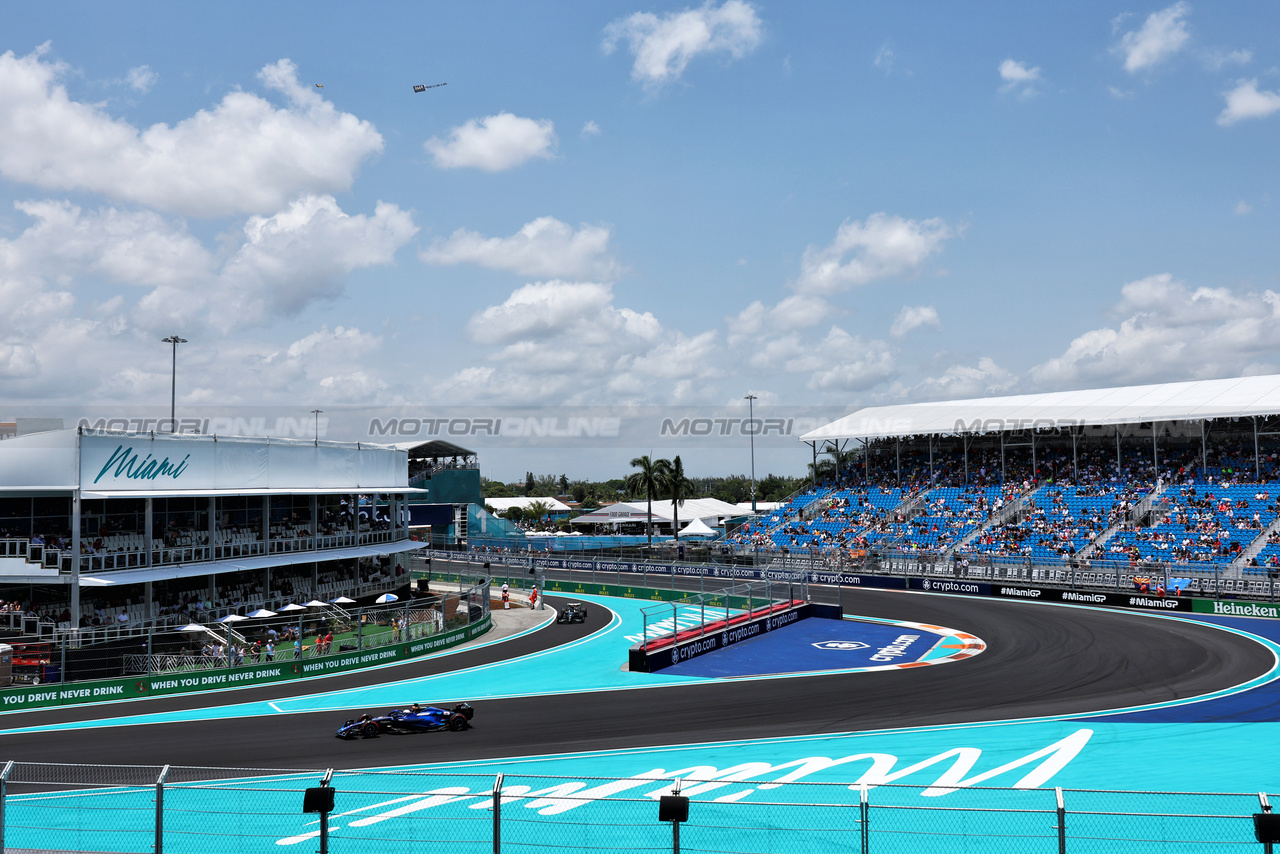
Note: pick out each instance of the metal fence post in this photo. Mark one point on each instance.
(864, 810)
(1062, 821)
(164, 773)
(4, 783)
(497, 815)
(1267, 847)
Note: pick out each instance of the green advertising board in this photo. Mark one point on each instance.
(154, 685)
(1236, 609)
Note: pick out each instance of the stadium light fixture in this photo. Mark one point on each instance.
(751, 399)
(173, 384)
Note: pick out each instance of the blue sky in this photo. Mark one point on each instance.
(630, 203)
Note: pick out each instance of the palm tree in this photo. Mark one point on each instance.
(677, 487)
(538, 509)
(647, 481)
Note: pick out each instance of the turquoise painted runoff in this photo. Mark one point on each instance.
(933, 767)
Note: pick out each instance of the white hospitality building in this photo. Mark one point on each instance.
(95, 511)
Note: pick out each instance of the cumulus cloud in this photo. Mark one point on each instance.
(1246, 101)
(544, 247)
(569, 342)
(664, 46)
(142, 78)
(1169, 331)
(914, 317)
(881, 247)
(494, 143)
(589, 129)
(757, 321)
(1019, 78)
(845, 362)
(1243, 208)
(1161, 35)
(962, 381)
(244, 155)
(277, 266)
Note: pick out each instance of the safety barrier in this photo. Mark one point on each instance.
(193, 809)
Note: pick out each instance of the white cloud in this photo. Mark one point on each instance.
(914, 317)
(1216, 60)
(664, 46)
(243, 156)
(961, 381)
(757, 321)
(882, 247)
(141, 78)
(302, 255)
(1171, 332)
(569, 342)
(1246, 101)
(544, 247)
(1019, 78)
(139, 248)
(278, 266)
(1243, 208)
(846, 362)
(590, 128)
(494, 143)
(1162, 35)
(884, 59)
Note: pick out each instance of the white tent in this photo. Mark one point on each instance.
(697, 528)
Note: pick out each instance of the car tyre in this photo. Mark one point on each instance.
(369, 730)
(457, 723)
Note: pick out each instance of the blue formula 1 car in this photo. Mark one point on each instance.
(416, 718)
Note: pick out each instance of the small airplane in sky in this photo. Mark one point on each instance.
(420, 88)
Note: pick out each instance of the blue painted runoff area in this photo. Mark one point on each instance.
(813, 645)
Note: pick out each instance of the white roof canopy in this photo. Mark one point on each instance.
(637, 511)
(502, 505)
(1188, 401)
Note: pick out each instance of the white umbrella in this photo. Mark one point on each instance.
(293, 607)
(232, 618)
(262, 612)
(193, 627)
(343, 600)
(385, 598)
(315, 603)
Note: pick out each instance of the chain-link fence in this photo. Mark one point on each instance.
(228, 810)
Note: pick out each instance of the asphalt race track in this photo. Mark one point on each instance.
(1040, 660)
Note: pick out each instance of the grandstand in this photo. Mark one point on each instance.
(1184, 477)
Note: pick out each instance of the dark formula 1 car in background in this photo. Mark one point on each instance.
(573, 612)
(416, 718)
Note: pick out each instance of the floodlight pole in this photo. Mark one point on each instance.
(316, 413)
(173, 385)
(750, 399)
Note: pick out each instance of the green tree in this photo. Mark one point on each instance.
(496, 489)
(677, 487)
(647, 482)
(529, 484)
(514, 514)
(564, 484)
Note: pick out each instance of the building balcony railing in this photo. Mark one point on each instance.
(172, 555)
